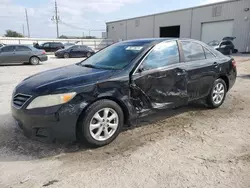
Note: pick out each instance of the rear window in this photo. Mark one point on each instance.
(192, 51)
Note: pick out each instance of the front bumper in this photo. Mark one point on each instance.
(48, 124)
(43, 57)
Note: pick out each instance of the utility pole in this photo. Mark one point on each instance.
(56, 19)
(23, 30)
(27, 20)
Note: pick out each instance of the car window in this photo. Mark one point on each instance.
(55, 45)
(84, 47)
(163, 54)
(192, 51)
(46, 45)
(75, 47)
(208, 54)
(8, 49)
(22, 48)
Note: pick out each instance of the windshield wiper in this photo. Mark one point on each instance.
(95, 67)
(90, 66)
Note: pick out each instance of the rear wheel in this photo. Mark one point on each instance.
(34, 60)
(88, 54)
(217, 94)
(66, 55)
(101, 123)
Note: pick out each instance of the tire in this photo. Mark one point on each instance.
(88, 54)
(34, 60)
(217, 94)
(66, 55)
(93, 130)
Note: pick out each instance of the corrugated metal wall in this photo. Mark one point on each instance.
(190, 21)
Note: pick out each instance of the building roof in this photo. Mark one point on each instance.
(212, 4)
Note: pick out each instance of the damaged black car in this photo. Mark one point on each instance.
(93, 99)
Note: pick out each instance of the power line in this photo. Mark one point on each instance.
(80, 28)
(72, 26)
(27, 21)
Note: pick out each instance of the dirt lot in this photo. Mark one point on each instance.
(187, 147)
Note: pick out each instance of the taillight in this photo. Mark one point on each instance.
(43, 52)
(234, 63)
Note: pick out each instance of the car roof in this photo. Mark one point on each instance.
(154, 41)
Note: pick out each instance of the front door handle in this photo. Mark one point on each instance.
(216, 64)
(181, 72)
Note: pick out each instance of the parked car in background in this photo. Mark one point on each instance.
(226, 46)
(50, 46)
(75, 51)
(21, 54)
(93, 99)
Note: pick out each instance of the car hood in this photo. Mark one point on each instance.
(61, 79)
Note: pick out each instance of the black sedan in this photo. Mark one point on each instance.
(92, 100)
(75, 51)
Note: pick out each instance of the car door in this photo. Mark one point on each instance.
(75, 51)
(160, 82)
(201, 66)
(7, 54)
(23, 53)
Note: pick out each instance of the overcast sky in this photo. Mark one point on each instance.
(80, 14)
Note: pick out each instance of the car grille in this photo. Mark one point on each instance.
(20, 99)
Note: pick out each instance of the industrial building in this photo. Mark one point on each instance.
(206, 23)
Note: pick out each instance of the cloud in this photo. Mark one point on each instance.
(80, 13)
(204, 2)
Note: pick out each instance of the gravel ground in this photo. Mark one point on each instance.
(187, 147)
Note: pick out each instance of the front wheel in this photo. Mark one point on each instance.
(101, 123)
(66, 55)
(217, 94)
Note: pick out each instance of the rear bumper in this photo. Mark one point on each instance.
(48, 124)
(43, 57)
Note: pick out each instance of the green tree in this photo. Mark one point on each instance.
(11, 33)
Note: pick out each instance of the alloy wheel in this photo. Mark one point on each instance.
(104, 124)
(34, 61)
(88, 54)
(218, 93)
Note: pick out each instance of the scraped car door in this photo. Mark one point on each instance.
(159, 81)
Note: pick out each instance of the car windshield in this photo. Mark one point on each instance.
(115, 56)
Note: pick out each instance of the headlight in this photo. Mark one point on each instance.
(51, 100)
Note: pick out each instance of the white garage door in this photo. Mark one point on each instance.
(216, 30)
